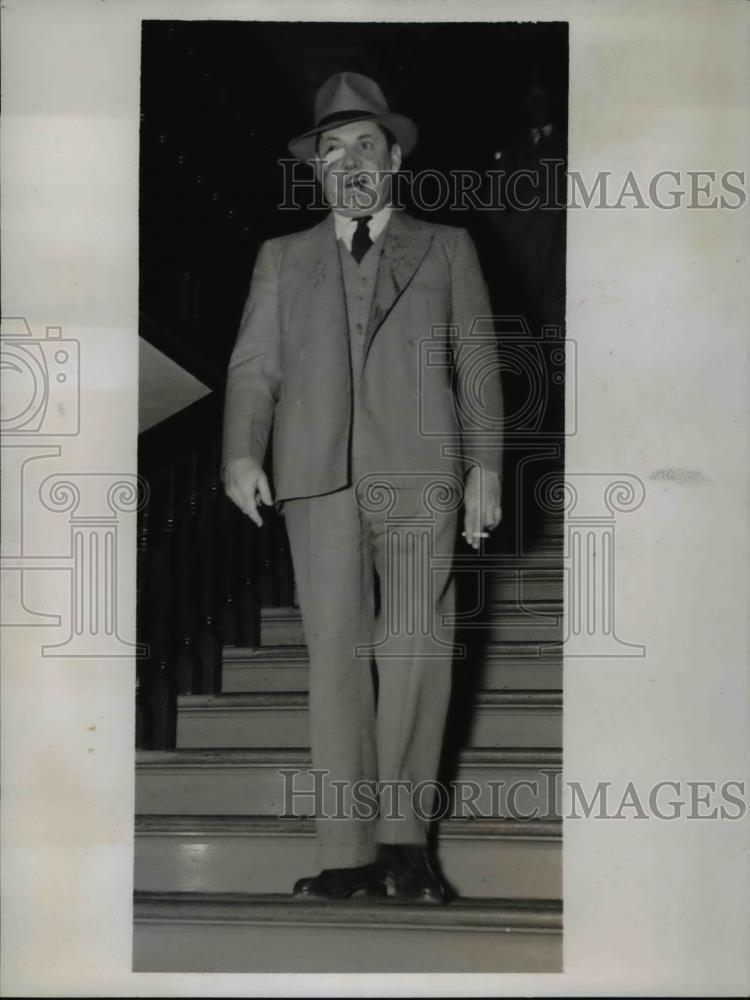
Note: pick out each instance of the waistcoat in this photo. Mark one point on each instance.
(359, 288)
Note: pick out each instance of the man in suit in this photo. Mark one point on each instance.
(375, 446)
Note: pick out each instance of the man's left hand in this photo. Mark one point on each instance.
(482, 510)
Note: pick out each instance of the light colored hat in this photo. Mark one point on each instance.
(350, 97)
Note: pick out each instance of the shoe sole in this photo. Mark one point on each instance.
(357, 894)
(393, 893)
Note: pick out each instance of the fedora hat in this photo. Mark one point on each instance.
(351, 97)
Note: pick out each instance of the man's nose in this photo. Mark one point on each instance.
(351, 159)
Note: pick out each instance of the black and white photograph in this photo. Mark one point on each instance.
(350, 722)
(375, 550)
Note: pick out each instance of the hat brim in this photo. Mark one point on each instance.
(304, 147)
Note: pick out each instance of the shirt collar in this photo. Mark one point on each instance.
(537, 132)
(345, 225)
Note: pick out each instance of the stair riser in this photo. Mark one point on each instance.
(512, 868)
(552, 531)
(498, 674)
(289, 727)
(515, 590)
(240, 677)
(227, 947)
(258, 790)
(281, 633)
(516, 546)
(517, 627)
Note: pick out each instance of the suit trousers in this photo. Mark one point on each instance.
(338, 543)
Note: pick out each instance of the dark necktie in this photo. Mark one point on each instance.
(361, 241)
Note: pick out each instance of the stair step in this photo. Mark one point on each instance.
(519, 666)
(547, 526)
(536, 622)
(521, 586)
(250, 782)
(551, 524)
(546, 544)
(286, 668)
(499, 718)
(281, 627)
(261, 854)
(233, 932)
(545, 554)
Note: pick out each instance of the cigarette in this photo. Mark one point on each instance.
(332, 157)
(477, 534)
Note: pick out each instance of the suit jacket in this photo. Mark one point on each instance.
(429, 398)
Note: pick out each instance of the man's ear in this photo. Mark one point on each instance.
(395, 157)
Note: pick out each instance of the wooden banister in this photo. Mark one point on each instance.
(204, 569)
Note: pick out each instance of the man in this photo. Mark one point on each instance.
(370, 450)
(531, 223)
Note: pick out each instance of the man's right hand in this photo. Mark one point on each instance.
(246, 485)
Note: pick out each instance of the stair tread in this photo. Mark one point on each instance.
(450, 829)
(233, 701)
(292, 613)
(262, 655)
(532, 571)
(531, 649)
(475, 912)
(272, 756)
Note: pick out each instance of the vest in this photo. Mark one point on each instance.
(359, 288)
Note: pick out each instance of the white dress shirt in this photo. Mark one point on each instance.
(345, 225)
(536, 133)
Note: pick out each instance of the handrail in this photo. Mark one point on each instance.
(179, 350)
(179, 434)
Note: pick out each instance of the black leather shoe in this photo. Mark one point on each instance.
(412, 872)
(341, 883)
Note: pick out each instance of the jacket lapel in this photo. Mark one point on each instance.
(318, 281)
(406, 243)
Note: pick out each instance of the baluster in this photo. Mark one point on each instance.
(163, 689)
(249, 611)
(230, 619)
(209, 641)
(263, 538)
(284, 571)
(143, 730)
(143, 720)
(188, 667)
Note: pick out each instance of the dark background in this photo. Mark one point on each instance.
(219, 103)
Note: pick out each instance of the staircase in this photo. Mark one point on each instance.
(216, 858)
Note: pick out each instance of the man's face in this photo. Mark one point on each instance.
(354, 167)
